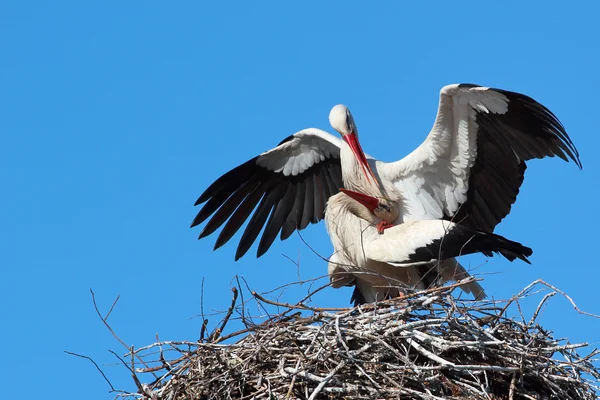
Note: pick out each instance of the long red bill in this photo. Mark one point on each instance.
(368, 201)
(354, 144)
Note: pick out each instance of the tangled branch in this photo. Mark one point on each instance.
(425, 346)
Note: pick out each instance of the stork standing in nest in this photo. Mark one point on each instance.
(382, 260)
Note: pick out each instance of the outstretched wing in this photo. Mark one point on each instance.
(287, 187)
(472, 164)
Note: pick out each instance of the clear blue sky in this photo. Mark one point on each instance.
(117, 115)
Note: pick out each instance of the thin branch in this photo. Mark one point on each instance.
(112, 388)
(108, 326)
(227, 316)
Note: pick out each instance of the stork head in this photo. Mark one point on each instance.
(342, 121)
(382, 209)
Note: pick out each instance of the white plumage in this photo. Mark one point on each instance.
(305, 149)
(373, 262)
(432, 182)
(414, 254)
(469, 169)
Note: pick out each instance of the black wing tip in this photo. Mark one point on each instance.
(261, 251)
(237, 174)
(524, 253)
(546, 117)
(217, 245)
(570, 157)
(556, 126)
(577, 162)
(470, 240)
(203, 197)
(528, 254)
(510, 249)
(196, 221)
(205, 233)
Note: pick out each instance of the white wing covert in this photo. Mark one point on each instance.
(289, 184)
(472, 163)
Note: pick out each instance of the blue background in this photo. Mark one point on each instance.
(115, 116)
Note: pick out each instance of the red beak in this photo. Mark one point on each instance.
(354, 144)
(368, 201)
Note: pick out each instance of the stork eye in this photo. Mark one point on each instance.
(349, 123)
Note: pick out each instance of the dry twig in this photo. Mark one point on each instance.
(426, 345)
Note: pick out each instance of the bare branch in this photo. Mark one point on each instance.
(112, 389)
(426, 345)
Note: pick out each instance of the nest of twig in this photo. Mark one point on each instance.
(425, 346)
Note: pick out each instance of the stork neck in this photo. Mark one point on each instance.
(355, 179)
(352, 173)
(349, 224)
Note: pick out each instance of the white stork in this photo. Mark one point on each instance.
(469, 169)
(416, 254)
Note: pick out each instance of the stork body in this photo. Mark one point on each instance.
(414, 254)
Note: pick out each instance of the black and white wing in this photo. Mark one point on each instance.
(421, 254)
(429, 241)
(287, 187)
(472, 164)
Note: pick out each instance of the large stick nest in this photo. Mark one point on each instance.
(425, 346)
